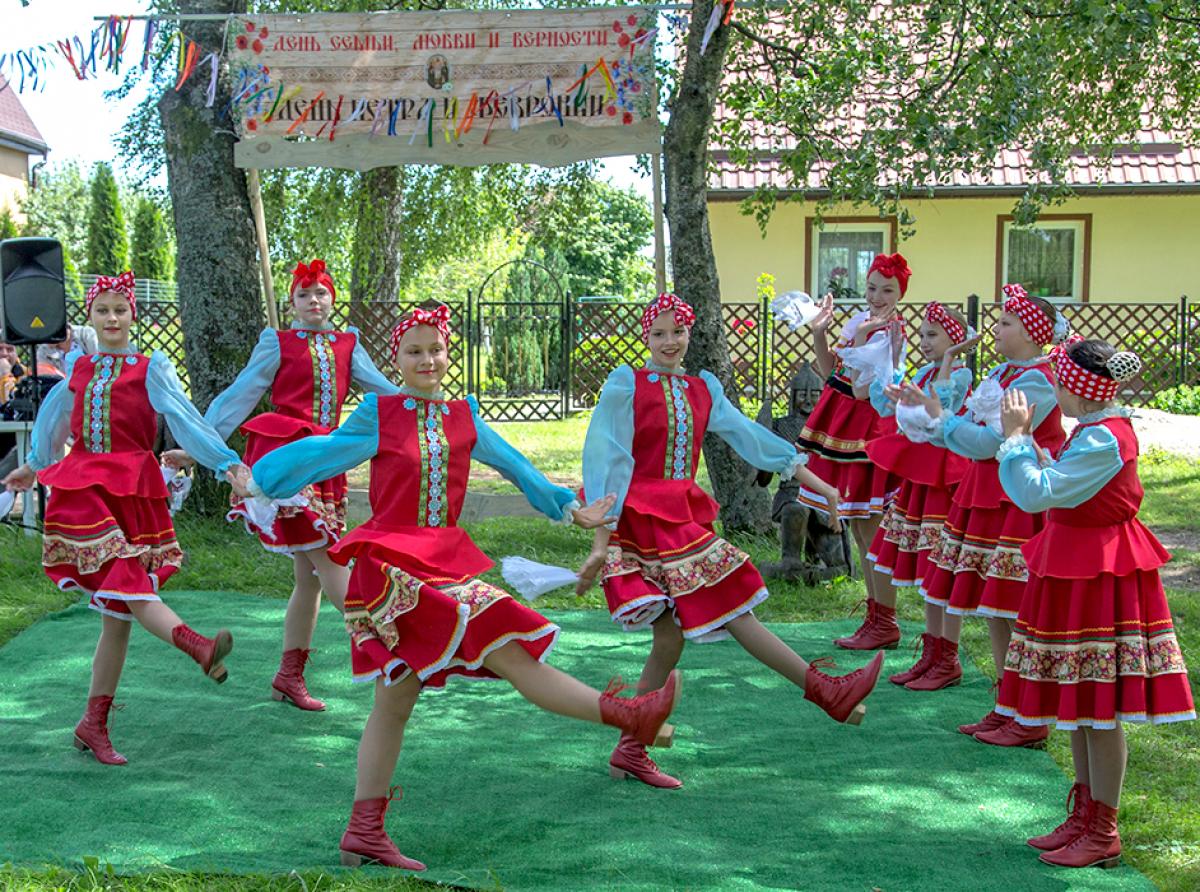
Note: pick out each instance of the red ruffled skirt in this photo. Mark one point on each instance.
(113, 540)
(665, 555)
(318, 524)
(406, 615)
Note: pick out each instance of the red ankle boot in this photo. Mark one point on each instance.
(851, 641)
(92, 732)
(289, 685)
(930, 649)
(883, 633)
(1098, 846)
(1013, 733)
(210, 653)
(989, 722)
(1078, 801)
(366, 840)
(629, 759)
(642, 716)
(946, 671)
(841, 696)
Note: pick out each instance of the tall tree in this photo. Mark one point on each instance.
(216, 261)
(107, 239)
(378, 237)
(58, 206)
(151, 248)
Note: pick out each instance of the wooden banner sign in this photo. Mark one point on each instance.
(449, 87)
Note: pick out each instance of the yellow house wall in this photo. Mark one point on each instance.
(1142, 247)
(14, 181)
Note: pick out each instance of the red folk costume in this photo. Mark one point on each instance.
(913, 522)
(1094, 643)
(839, 427)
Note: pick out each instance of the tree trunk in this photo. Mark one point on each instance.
(375, 273)
(685, 150)
(216, 261)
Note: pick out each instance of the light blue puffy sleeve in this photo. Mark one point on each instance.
(879, 401)
(234, 404)
(285, 471)
(53, 423)
(976, 441)
(756, 445)
(365, 373)
(1092, 459)
(556, 502)
(953, 393)
(608, 446)
(195, 435)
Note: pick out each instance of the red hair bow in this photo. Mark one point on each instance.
(307, 275)
(438, 318)
(122, 284)
(892, 266)
(684, 314)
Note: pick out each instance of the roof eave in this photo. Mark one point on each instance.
(10, 140)
(975, 191)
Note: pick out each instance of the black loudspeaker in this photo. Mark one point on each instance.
(33, 297)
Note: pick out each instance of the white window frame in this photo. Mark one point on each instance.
(1079, 227)
(883, 227)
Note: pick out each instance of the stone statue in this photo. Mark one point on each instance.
(810, 550)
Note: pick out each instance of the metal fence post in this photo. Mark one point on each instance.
(973, 321)
(567, 350)
(472, 341)
(1182, 340)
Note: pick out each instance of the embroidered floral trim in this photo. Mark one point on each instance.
(324, 376)
(678, 461)
(97, 405)
(1094, 661)
(91, 555)
(995, 562)
(330, 511)
(706, 567)
(401, 594)
(434, 448)
(476, 594)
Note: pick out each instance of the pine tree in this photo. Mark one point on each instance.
(151, 249)
(107, 240)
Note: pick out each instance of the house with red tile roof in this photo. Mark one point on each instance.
(19, 139)
(1129, 234)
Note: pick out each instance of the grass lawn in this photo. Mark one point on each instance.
(1161, 806)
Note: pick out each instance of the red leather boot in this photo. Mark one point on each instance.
(210, 653)
(850, 642)
(1098, 846)
(945, 672)
(366, 840)
(92, 732)
(1078, 801)
(1013, 733)
(841, 696)
(883, 633)
(930, 648)
(629, 759)
(289, 685)
(642, 716)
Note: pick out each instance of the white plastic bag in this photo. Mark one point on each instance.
(531, 579)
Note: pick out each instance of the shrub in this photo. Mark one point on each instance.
(1182, 400)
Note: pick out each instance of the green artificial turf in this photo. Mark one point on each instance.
(498, 794)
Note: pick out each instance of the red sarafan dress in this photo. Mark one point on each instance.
(976, 566)
(108, 528)
(664, 553)
(414, 603)
(307, 394)
(1094, 643)
(836, 435)
(913, 523)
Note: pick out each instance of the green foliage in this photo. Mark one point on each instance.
(944, 87)
(107, 240)
(8, 226)
(71, 282)
(1182, 400)
(151, 254)
(58, 206)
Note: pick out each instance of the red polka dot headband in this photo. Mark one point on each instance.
(936, 313)
(892, 266)
(1087, 384)
(684, 314)
(1039, 326)
(122, 284)
(307, 275)
(438, 318)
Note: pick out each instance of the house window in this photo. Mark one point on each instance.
(1050, 259)
(841, 253)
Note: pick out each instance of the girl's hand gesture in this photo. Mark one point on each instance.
(239, 478)
(956, 350)
(177, 459)
(589, 571)
(21, 479)
(595, 514)
(1016, 415)
(912, 395)
(824, 318)
(832, 499)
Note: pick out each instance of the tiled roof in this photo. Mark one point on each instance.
(15, 123)
(1154, 162)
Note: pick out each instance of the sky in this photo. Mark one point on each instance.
(74, 117)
